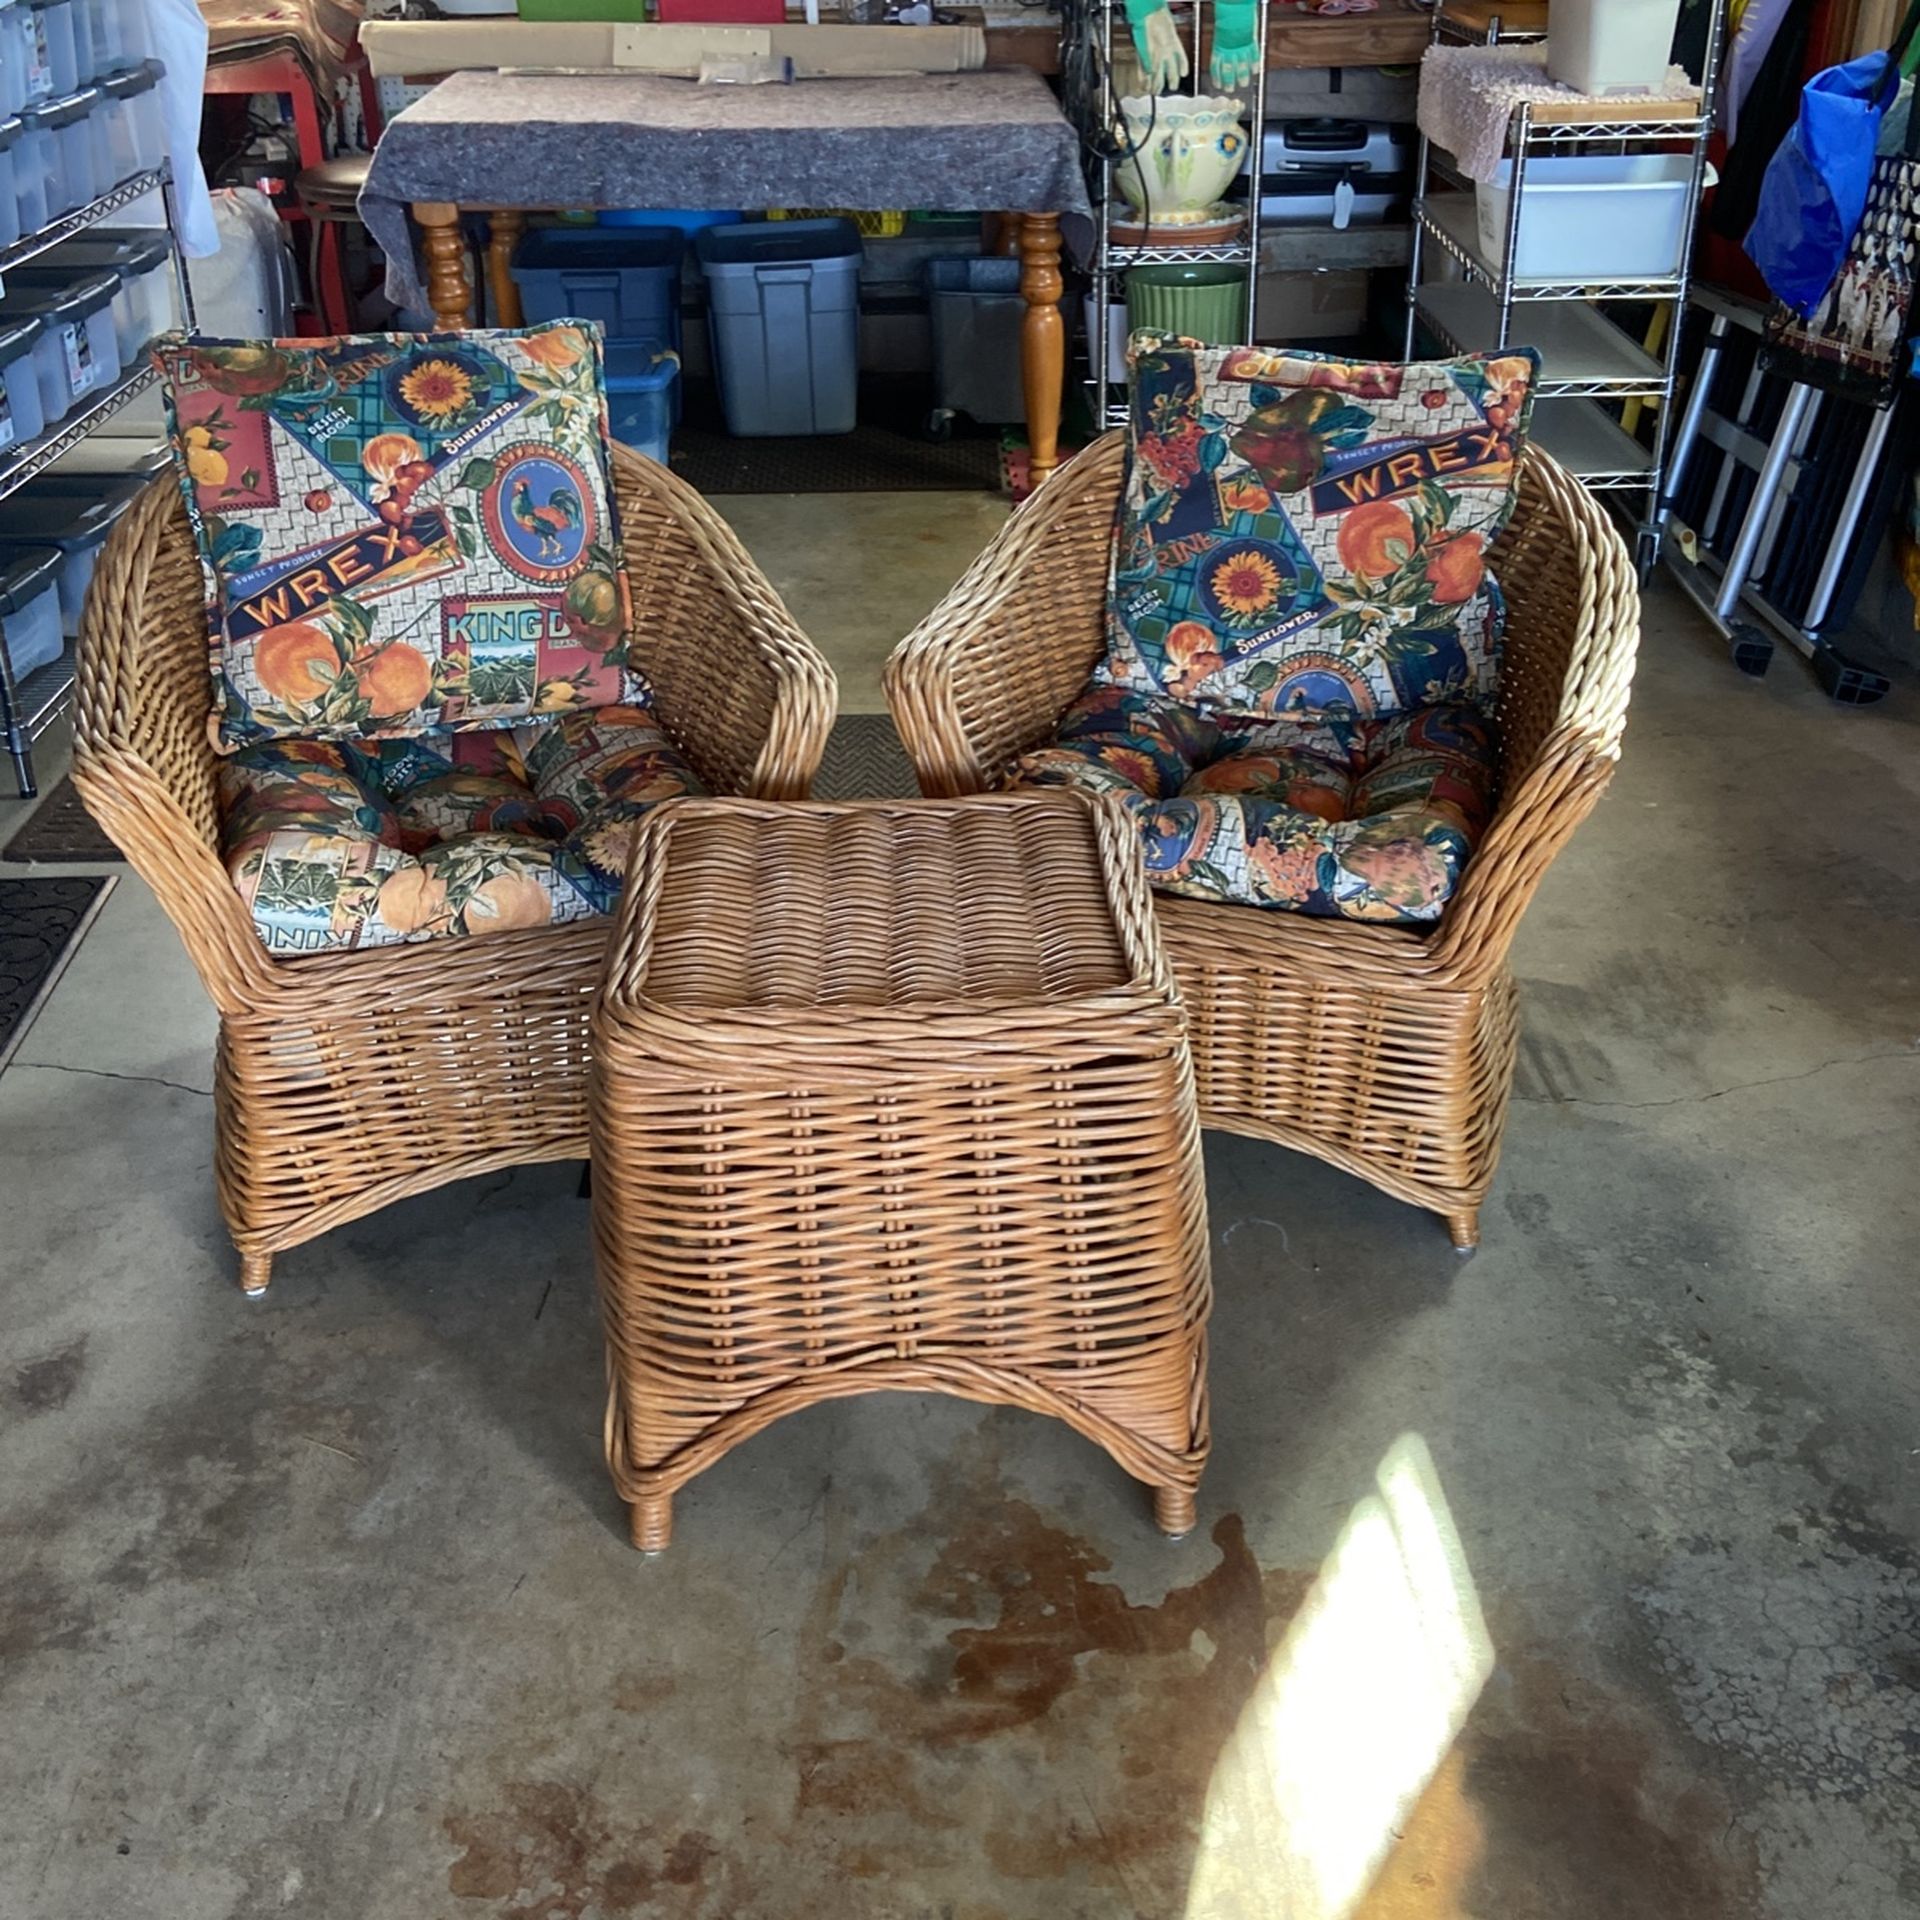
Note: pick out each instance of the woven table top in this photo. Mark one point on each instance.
(1024, 899)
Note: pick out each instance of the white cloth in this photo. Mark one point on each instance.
(180, 39)
(1468, 94)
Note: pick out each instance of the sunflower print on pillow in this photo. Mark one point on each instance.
(402, 532)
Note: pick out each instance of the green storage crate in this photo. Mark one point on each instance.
(551, 10)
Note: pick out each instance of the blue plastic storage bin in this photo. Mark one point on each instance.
(30, 608)
(643, 395)
(687, 220)
(783, 299)
(627, 278)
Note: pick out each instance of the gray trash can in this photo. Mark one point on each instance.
(977, 319)
(783, 299)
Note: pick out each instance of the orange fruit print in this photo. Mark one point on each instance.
(1376, 539)
(395, 679)
(296, 663)
(1455, 569)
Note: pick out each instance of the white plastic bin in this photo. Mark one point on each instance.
(13, 57)
(11, 131)
(70, 119)
(23, 414)
(127, 36)
(32, 162)
(1611, 46)
(147, 303)
(72, 515)
(136, 131)
(93, 53)
(1591, 217)
(783, 299)
(77, 354)
(30, 608)
(53, 52)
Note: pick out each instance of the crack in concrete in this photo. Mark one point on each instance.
(1909, 1052)
(101, 1073)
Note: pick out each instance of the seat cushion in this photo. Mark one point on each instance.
(1355, 819)
(1307, 536)
(402, 532)
(337, 844)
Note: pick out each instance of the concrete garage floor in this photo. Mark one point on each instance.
(323, 1606)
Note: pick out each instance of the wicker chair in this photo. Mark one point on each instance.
(344, 1081)
(1385, 1050)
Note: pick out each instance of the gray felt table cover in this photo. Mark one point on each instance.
(948, 141)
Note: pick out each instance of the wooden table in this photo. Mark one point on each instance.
(505, 144)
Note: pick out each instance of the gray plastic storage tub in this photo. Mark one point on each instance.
(12, 129)
(30, 608)
(977, 317)
(783, 300)
(73, 516)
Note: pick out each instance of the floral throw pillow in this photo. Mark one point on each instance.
(402, 531)
(1305, 535)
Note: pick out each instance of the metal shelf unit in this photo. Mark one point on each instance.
(1093, 115)
(30, 705)
(1589, 364)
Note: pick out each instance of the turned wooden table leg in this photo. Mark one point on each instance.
(1043, 340)
(447, 289)
(507, 224)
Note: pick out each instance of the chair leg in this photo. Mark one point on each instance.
(1465, 1229)
(256, 1269)
(1174, 1511)
(650, 1520)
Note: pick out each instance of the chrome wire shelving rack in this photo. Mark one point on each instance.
(1093, 92)
(31, 703)
(1597, 379)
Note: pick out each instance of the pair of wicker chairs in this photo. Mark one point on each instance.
(346, 1081)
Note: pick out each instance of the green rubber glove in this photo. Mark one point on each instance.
(1235, 53)
(1163, 57)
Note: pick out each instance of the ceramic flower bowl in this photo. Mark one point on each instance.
(1185, 153)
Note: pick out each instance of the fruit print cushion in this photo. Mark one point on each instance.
(1336, 817)
(1305, 535)
(340, 844)
(402, 531)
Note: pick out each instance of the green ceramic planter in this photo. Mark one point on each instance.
(1205, 303)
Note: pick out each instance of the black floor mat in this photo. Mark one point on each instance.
(41, 921)
(60, 831)
(864, 760)
(888, 452)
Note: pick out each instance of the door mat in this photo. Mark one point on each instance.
(864, 760)
(60, 832)
(888, 452)
(41, 922)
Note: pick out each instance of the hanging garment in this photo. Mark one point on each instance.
(1747, 52)
(1769, 109)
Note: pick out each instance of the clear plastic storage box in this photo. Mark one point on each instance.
(136, 127)
(30, 608)
(148, 302)
(77, 354)
(13, 58)
(53, 58)
(74, 181)
(32, 162)
(72, 515)
(12, 131)
(23, 415)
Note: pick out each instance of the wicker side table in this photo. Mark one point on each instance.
(895, 1095)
